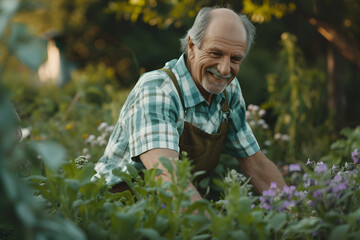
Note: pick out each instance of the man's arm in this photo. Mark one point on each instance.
(151, 158)
(262, 172)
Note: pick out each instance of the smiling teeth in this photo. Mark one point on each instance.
(218, 77)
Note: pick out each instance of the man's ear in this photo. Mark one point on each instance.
(190, 48)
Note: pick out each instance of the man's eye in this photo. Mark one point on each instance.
(236, 59)
(215, 54)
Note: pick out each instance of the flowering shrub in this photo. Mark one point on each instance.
(324, 203)
(321, 202)
(274, 145)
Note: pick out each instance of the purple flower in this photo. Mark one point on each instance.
(289, 191)
(286, 204)
(308, 161)
(338, 189)
(317, 193)
(321, 167)
(294, 167)
(337, 178)
(266, 206)
(266, 203)
(270, 193)
(355, 156)
(273, 185)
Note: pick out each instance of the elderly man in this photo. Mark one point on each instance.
(193, 104)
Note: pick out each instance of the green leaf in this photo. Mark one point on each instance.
(132, 170)
(239, 234)
(340, 232)
(85, 173)
(198, 173)
(7, 9)
(27, 48)
(245, 204)
(257, 216)
(202, 237)
(198, 205)
(167, 164)
(306, 225)
(25, 213)
(73, 184)
(52, 154)
(277, 221)
(149, 233)
(124, 177)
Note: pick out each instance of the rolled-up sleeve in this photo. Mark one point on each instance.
(151, 122)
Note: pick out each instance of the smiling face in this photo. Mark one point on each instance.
(216, 63)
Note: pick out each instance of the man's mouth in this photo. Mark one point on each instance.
(218, 75)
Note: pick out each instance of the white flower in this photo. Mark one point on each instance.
(267, 143)
(252, 123)
(85, 151)
(285, 137)
(262, 112)
(265, 126)
(102, 126)
(227, 180)
(102, 143)
(277, 136)
(109, 129)
(261, 122)
(25, 132)
(253, 107)
(90, 139)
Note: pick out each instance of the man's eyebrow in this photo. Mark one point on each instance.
(215, 49)
(240, 56)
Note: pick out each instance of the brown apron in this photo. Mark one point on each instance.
(202, 148)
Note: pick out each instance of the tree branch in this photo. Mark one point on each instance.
(345, 46)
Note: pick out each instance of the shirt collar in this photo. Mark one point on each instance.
(190, 92)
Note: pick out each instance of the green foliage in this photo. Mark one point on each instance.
(28, 49)
(71, 115)
(25, 216)
(264, 12)
(18, 41)
(341, 149)
(161, 13)
(295, 95)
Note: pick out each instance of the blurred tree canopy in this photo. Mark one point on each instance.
(133, 36)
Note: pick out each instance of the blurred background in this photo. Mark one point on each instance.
(68, 66)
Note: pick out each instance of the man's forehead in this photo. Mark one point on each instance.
(226, 24)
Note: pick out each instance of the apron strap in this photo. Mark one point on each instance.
(226, 107)
(174, 80)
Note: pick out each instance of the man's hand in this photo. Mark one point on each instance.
(151, 158)
(262, 172)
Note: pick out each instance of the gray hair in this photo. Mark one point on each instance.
(197, 31)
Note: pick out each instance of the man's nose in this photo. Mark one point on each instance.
(224, 66)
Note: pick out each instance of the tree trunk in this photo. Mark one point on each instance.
(336, 97)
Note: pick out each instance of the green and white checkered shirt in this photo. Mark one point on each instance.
(153, 117)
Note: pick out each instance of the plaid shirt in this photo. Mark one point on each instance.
(153, 117)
